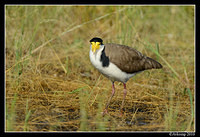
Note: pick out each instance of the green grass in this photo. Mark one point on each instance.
(11, 115)
(27, 114)
(52, 86)
(84, 126)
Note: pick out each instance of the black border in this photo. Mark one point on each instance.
(75, 2)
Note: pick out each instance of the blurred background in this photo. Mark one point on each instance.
(52, 86)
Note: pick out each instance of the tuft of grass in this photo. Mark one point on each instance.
(11, 115)
(67, 64)
(171, 116)
(100, 120)
(84, 126)
(77, 90)
(191, 122)
(27, 116)
(157, 51)
(18, 55)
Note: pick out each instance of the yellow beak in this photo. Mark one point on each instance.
(95, 46)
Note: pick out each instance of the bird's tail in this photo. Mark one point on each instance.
(152, 64)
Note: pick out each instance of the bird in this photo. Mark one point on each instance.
(118, 63)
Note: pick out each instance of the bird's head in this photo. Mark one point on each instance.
(96, 43)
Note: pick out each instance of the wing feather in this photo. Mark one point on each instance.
(128, 59)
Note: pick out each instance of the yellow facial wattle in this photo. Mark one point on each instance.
(95, 46)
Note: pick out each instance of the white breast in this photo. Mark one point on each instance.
(112, 71)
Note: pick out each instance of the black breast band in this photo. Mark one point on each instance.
(104, 59)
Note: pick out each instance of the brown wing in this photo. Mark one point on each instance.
(128, 59)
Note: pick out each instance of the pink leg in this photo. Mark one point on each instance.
(113, 92)
(125, 92)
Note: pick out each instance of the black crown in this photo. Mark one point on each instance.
(96, 39)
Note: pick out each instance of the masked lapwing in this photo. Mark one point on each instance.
(118, 63)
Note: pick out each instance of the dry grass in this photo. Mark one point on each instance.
(52, 86)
